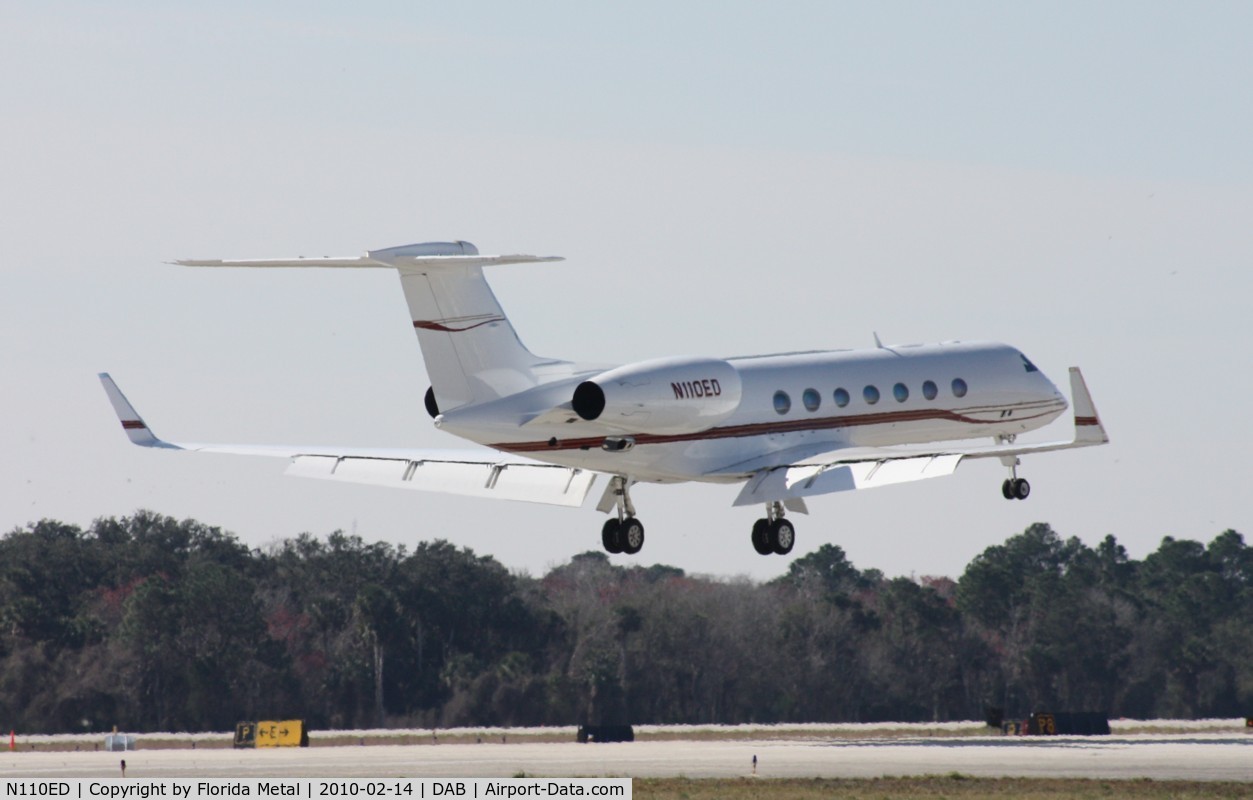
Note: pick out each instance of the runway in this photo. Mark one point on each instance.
(1199, 756)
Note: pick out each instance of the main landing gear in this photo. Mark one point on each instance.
(774, 534)
(1014, 487)
(623, 533)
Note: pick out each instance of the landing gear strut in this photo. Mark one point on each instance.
(774, 534)
(623, 533)
(1014, 487)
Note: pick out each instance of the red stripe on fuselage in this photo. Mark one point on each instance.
(765, 428)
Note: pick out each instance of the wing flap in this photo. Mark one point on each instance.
(808, 480)
(477, 473)
(502, 480)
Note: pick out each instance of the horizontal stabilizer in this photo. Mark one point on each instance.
(367, 261)
(426, 255)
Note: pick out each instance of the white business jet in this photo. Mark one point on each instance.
(787, 426)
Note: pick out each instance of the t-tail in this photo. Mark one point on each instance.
(471, 350)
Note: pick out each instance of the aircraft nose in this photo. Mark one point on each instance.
(1051, 391)
(1059, 397)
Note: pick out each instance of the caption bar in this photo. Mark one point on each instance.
(319, 789)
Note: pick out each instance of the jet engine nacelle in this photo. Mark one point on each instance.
(666, 395)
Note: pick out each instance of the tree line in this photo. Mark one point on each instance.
(151, 623)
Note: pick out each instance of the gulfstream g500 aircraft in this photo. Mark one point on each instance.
(786, 426)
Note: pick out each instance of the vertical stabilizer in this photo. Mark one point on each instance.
(471, 350)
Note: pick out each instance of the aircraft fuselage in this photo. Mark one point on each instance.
(788, 404)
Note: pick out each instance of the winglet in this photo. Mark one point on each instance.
(1088, 427)
(136, 429)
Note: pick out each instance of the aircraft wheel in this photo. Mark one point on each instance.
(611, 536)
(1022, 489)
(1007, 489)
(782, 536)
(761, 537)
(631, 535)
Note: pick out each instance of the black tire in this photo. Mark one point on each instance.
(761, 537)
(631, 535)
(611, 536)
(782, 536)
(1007, 489)
(1022, 489)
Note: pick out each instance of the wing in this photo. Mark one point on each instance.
(476, 473)
(843, 470)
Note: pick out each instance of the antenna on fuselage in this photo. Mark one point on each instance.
(878, 343)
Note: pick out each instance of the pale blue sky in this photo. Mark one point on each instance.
(1074, 179)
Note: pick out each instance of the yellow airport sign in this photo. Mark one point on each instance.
(281, 733)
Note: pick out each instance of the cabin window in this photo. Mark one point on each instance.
(929, 390)
(811, 399)
(959, 387)
(841, 397)
(782, 403)
(901, 392)
(871, 394)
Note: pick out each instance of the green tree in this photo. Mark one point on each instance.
(923, 651)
